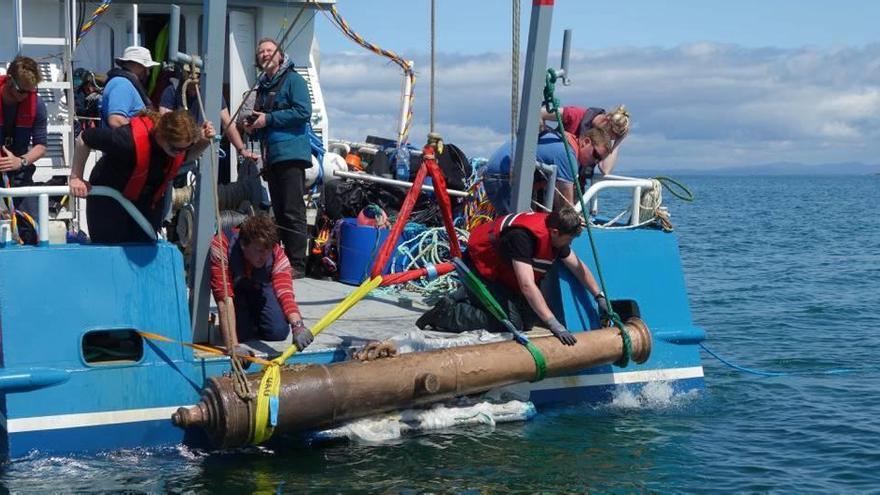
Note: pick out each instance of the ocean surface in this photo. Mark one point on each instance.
(783, 273)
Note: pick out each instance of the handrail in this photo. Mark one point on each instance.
(618, 182)
(393, 182)
(43, 193)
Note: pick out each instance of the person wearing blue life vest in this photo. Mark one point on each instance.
(22, 127)
(281, 118)
(585, 152)
(125, 93)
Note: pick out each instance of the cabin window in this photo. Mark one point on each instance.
(106, 347)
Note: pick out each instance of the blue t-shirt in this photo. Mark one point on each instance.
(120, 98)
(550, 151)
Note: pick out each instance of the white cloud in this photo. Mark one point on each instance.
(698, 105)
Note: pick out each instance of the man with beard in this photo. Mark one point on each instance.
(280, 120)
(125, 94)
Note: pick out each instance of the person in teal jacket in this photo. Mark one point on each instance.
(281, 120)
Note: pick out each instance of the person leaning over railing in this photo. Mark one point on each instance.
(511, 255)
(579, 120)
(585, 152)
(22, 127)
(140, 159)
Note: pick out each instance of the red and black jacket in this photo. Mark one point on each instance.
(483, 248)
(134, 187)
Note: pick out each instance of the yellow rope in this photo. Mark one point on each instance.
(270, 383)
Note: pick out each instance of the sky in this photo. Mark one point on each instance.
(709, 83)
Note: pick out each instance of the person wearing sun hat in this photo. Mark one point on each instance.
(125, 94)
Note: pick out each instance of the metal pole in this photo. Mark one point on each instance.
(213, 46)
(134, 24)
(433, 62)
(563, 64)
(404, 107)
(19, 29)
(397, 183)
(43, 216)
(523, 171)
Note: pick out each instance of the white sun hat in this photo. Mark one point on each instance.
(138, 55)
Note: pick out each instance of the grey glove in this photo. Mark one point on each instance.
(560, 332)
(602, 303)
(302, 336)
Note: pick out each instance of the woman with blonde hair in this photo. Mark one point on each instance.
(139, 160)
(579, 120)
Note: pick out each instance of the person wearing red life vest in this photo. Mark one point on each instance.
(140, 159)
(511, 255)
(23, 127)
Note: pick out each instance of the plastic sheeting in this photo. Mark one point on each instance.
(441, 416)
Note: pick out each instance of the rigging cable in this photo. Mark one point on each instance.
(834, 371)
(340, 23)
(432, 95)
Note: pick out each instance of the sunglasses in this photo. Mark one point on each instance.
(17, 87)
(597, 156)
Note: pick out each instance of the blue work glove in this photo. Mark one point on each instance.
(602, 303)
(558, 330)
(302, 336)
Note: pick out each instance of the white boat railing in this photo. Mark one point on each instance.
(43, 193)
(591, 196)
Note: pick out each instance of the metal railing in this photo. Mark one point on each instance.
(591, 196)
(43, 193)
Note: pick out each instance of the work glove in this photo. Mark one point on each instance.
(558, 330)
(302, 336)
(602, 304)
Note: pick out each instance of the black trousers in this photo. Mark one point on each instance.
(287, 183)
(465, 312)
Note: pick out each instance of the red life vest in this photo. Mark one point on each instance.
(25, 114)
(140, 132)
(483, 248)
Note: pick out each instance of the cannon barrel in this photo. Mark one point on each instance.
(320, 396)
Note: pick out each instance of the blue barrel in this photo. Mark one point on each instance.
(358, 247)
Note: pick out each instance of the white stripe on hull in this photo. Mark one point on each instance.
(39, 423)
(618, 378)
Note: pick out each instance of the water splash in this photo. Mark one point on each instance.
(657, 395)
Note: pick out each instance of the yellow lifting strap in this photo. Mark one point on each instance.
(266, 414)
(202, 347)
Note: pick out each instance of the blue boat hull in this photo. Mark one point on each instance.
(53, 399)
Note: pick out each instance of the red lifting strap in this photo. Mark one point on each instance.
(140, 133)
(429, 165)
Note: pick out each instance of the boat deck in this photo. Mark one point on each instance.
(376, 317)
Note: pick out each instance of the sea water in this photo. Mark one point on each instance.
(782, 272)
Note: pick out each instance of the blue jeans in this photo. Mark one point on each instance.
(258, 315)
